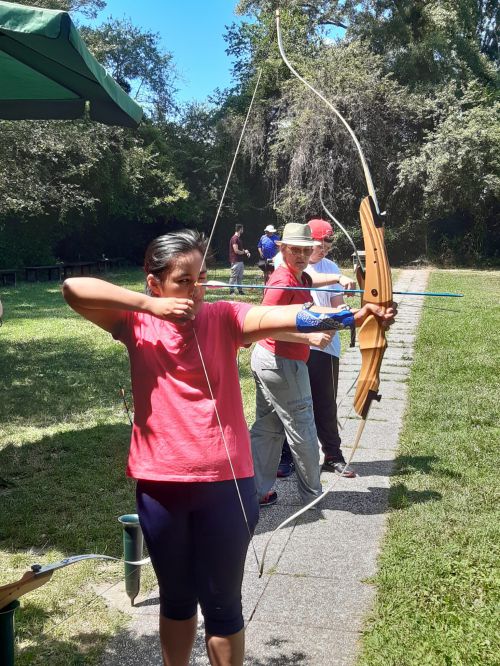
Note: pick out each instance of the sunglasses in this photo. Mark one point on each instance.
(299, 250)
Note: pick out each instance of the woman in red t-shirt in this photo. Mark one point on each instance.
(190, 450)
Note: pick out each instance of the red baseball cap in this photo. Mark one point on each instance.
(320, 229)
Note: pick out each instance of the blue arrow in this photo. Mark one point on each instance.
(224, 285)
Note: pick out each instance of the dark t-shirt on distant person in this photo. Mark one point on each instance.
(233, 257)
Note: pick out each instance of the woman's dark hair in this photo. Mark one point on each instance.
(162, 251)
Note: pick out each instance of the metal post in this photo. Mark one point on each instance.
(7, 633)
(132, 551)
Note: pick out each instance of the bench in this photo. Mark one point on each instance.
(106, 263)
(8, 276)
(33, 273)
(70, 268)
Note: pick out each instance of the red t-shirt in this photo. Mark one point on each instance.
(176, 434)
(233, 257)
(284, 277)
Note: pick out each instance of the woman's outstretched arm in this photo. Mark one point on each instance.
(266, 321)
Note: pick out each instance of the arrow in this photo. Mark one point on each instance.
(216, 284)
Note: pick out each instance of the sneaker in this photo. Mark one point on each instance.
(331, 465)
(241, 292)
(285, 469)
(268, 499)
(231, 292)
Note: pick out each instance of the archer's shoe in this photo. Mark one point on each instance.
(241, 292)
(285, 469)
(269, 498)
(331, 465)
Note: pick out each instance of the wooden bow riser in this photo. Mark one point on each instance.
(29, 582)
(378, 282)
(377, 290)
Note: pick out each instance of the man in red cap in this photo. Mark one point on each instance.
(323, 364)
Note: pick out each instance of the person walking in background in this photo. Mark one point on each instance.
(236, 254)
(267, 249)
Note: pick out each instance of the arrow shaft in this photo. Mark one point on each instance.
(336, 291)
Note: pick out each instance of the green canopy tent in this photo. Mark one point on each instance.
(47, 72)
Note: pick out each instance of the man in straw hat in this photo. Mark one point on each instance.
(323, 363)
(283, 392)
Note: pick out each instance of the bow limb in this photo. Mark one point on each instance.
(27, 583)
(41, 574)
(366, 170)
(377, 289)
(376, 280)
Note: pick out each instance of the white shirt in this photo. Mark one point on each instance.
(323, 298)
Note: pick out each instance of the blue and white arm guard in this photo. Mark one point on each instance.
(310, 322)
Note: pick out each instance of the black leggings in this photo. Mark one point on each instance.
(197, 539)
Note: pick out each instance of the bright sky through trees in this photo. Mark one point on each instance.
(192, 30)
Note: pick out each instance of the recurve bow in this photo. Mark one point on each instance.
(377, 289)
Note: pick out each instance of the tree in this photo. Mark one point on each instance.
(89, 8)
(135, 60)
(402, 73)
(456, 177)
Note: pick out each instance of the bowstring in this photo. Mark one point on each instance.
(231, 169)
(226, 447)
(216, 411)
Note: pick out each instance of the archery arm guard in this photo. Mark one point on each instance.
(310, 322)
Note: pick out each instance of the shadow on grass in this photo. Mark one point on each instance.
(46, 379)
(62, 489)
(46, 649)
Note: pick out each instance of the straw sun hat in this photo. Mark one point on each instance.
(298, 235)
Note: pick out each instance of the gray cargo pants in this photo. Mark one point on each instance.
(283, 406)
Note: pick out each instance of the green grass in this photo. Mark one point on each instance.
(438, 581)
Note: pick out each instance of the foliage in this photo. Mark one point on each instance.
(89, 8)
(426, 43)
(457, 173)
(135, 60)
(75, 176)
(416, 81)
